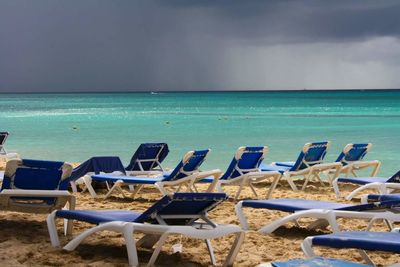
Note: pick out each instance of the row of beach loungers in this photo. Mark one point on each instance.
(37, 186)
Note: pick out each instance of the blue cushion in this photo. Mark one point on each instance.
(387, 197)
(127, 179)
(97, 217)
(316, 262)
(208, 179)
(362, 180)
(381, 241)
(281, 169)
(37, 179)
(286, 163)
(292, 205)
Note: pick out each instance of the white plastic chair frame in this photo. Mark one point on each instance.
(155, 234)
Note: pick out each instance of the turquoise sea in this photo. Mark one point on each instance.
(74, 127)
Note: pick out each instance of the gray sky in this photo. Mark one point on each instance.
(136, 45)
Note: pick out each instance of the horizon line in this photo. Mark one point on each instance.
(204, 91)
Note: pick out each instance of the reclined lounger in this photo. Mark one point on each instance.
(176, 214)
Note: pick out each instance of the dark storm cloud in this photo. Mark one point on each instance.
(299, 21)
(194, 45)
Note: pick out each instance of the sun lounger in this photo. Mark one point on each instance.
(323, 211)
(309, 166)
(179, 177)
(95, 165)
(244, 171)
(317, 262)
(381, 184)
(35, 186)
(352, 159)
(148, 158)
(176, 214)
(361, 240)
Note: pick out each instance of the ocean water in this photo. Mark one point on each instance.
(74, 127)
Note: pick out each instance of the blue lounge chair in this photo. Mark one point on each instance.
(308, 166)
(321, 210)
(179, 177)
(383, 185)
(352, 159)
(35, 186)
(95, 165)
(148, 157)
(244, 171)
(361, 240)
(317, 262)
(176, 214)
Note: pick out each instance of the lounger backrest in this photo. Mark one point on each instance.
(395, 178)
(353, 152)
(181, 208)
(148, 156)
(312, 153)
(3, 137)
(189, 165)
(97, 165)
(30, 174)
(247, 159)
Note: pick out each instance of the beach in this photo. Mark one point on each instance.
(25, 241)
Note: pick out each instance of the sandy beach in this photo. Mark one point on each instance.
(24, 239)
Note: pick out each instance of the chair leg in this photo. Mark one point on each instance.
(335, 185)
(253, 189)
(127, 232)
(137, 189)
(366, 258)
(290, 181)
(240, 214)
(51, 226)
(273, 186)
(88, 183)
(234, 249)
(116, 186)
(73, 186)
(211, 252)
(157, 250)
(239, 191)
(306, 246)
